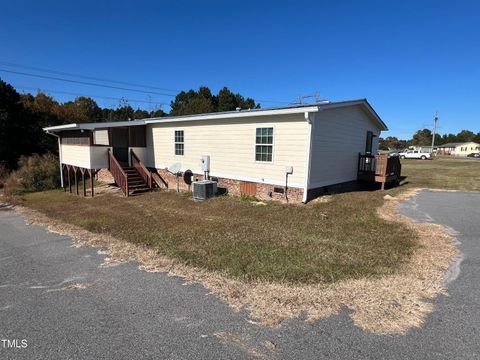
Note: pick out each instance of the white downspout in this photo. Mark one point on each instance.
(59, 156)
(308, 156)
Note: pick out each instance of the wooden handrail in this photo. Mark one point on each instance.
(387, 166)
(118, 173)
(159, 180)
(380, 168)
(366, 163)
(381, 165)
(141, 169)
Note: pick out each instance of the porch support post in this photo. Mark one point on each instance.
(91, 173)
(63, 175)
(60, 160)
(76, 179)
(69, 179)
(83, 182)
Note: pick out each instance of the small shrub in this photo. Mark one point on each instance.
(248, 198)
(34, 173)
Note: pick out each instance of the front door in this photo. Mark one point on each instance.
(120, 144)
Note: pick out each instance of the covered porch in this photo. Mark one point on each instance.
(120, 147)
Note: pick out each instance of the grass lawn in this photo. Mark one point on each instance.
(443, 173)
(274, 242)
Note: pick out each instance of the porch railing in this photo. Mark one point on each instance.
(387, 166)
(141, 169)
(366, 164)
(118, 173)
(379, 168)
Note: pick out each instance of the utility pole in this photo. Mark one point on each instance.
(434, 129)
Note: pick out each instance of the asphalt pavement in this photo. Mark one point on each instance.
(62, 302)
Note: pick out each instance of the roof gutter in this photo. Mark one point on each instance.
(236, 115)
(59, 128)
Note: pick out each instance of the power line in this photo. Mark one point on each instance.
(10, 64)
(93, 96)
(86, 83)
(100, 79)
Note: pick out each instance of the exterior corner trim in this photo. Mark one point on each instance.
(306, 182)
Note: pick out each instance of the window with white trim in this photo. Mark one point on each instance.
(264, 144)
(179, 142)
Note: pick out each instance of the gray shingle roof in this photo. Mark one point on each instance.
(453, 144)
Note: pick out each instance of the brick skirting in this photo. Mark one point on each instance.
(229, 186)
(232, 187)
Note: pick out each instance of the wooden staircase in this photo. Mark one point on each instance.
(136, 184)
(132, 180)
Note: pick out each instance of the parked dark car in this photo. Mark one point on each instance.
(474, 155)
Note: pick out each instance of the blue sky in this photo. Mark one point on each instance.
(409, 58)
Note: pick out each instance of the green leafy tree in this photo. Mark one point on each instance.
(88, 108)
(193, 102)
(11, 124)
(477, 138)
(228, 101)
(123, 112)
(202, 101)
(141, 114)
(448, 138)
(422, 137)
(21, 121)
(465, 136)
(391, 143)
(158, 113)
(43, 111)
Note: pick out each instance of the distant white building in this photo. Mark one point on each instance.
(459, 148)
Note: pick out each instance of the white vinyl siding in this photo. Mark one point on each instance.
(466, 148)
(89, 157)
(100, 137)
(338, 136)
(231, 146)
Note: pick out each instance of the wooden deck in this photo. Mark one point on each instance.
(379, 168)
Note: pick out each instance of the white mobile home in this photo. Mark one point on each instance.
(292, 153)
(459, 149)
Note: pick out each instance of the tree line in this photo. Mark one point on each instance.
(22, 116)
(424, 138)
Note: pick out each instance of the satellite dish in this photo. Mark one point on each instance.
(175, 168)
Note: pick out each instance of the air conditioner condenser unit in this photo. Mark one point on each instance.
(202, 190)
